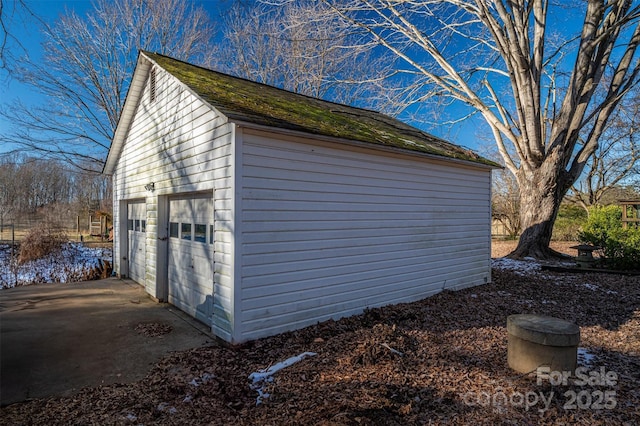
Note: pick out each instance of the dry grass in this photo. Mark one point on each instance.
(7, 234)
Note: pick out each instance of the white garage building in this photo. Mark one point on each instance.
(259, 211)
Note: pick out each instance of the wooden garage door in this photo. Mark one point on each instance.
(136, 230)
(191, 256)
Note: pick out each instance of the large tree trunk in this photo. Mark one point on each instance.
(540, 197)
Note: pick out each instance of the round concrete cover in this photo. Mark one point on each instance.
(543, 330)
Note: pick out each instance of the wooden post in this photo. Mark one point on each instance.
(13, 244)
(630, 213)
(13, 240)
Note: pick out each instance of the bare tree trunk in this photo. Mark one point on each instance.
(540, 197)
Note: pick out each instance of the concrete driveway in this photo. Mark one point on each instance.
(56, 339)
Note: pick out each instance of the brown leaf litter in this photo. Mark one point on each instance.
(441, 360)
(153, 329)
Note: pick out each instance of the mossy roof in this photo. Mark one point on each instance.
(261, 104)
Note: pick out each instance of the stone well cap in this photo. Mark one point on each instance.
(543, 330)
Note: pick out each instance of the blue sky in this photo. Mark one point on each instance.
(27, 41)
(472, 133)
(25, 31)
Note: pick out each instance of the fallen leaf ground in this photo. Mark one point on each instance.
(441, 360)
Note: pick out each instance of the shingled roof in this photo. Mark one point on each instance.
(258, 103)
(250, 102)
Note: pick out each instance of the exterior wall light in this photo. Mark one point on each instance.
(150, 187)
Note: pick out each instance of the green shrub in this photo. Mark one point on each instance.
(568, 223)
(621, 247)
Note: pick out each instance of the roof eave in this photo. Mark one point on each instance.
(367, 145)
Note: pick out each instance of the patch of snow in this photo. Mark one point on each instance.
(205, 378)
(260, 378)
(68, 265)
(165, 406)
(585, 357)
(594, 287)
(520, 267)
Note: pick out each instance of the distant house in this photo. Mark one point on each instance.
(258, 211)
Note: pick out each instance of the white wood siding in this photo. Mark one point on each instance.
(182, 145)
(329, 231)
(151, 245)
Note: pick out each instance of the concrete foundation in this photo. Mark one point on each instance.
(536, 341)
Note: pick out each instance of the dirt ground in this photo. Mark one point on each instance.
(500, 248)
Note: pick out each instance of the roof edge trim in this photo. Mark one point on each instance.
(359, 144)
(132, 99)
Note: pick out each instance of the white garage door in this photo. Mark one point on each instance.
(191, 256)
(136, 230)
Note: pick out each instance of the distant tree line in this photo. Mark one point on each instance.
(29, 184)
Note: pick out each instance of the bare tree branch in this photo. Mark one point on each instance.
(85, 71)
(616, 160)
(503, 59)
(303, 47)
